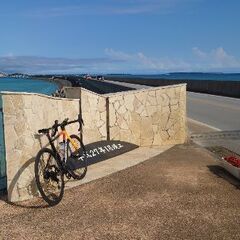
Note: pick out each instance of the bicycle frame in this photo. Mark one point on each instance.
(66, 136)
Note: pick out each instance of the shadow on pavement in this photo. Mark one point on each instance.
(27, 205)
(222, 173)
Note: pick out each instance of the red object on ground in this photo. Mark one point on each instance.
(233, 160)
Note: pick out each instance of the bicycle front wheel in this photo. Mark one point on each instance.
(49, 176)
(78, 156)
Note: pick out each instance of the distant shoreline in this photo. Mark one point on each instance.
(58, 81)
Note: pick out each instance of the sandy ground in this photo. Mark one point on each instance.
(180, 194)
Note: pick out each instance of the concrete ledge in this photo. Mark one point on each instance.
(121, 162)
(144, 90)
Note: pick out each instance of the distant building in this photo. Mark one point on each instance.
(18, 75)
(3, 74)
(101, 78)
(88, 77)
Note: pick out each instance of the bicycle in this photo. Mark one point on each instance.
(51, 165)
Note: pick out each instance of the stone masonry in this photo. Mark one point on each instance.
(24, 115)
(93, 107)
(154, 116)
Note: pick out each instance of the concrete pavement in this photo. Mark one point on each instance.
(179, 194)
(130, 85)
(219, 112)
(207, 136)
(118, 163)
(199, 127)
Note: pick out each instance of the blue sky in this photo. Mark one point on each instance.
(119, 36)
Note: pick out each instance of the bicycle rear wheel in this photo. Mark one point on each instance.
(49, 176)
(79, 155)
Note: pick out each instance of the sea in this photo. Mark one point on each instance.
(184, 76)
(27, 85)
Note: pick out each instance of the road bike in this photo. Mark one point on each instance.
(67, 159)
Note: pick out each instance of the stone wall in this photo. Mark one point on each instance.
(155, 116)
(24, 114)
(72, 92)
(94, 112)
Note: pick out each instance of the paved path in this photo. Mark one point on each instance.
(198, 127)
(118, 163)
(102, 87)
(180, 194)
(220, 112)
(226, 139)
(130, 85)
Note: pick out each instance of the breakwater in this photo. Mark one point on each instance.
(215, 87)
(96, 86)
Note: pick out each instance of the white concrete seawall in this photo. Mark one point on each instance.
(149, 117)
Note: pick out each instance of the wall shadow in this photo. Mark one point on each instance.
(31, 188)
(29, 205)
(222, 173)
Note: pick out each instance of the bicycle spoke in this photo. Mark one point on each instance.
(49, 177)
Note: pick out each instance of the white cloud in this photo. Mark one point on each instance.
(119, 61)
(118, 54)
(144, 63)
(199, 53)
(36, 64)
(216, 59)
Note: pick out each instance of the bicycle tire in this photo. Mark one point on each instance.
(51, 173)
(78, 173)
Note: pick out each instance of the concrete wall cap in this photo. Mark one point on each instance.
(144, 90)
(130, 91)
(35, 94)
